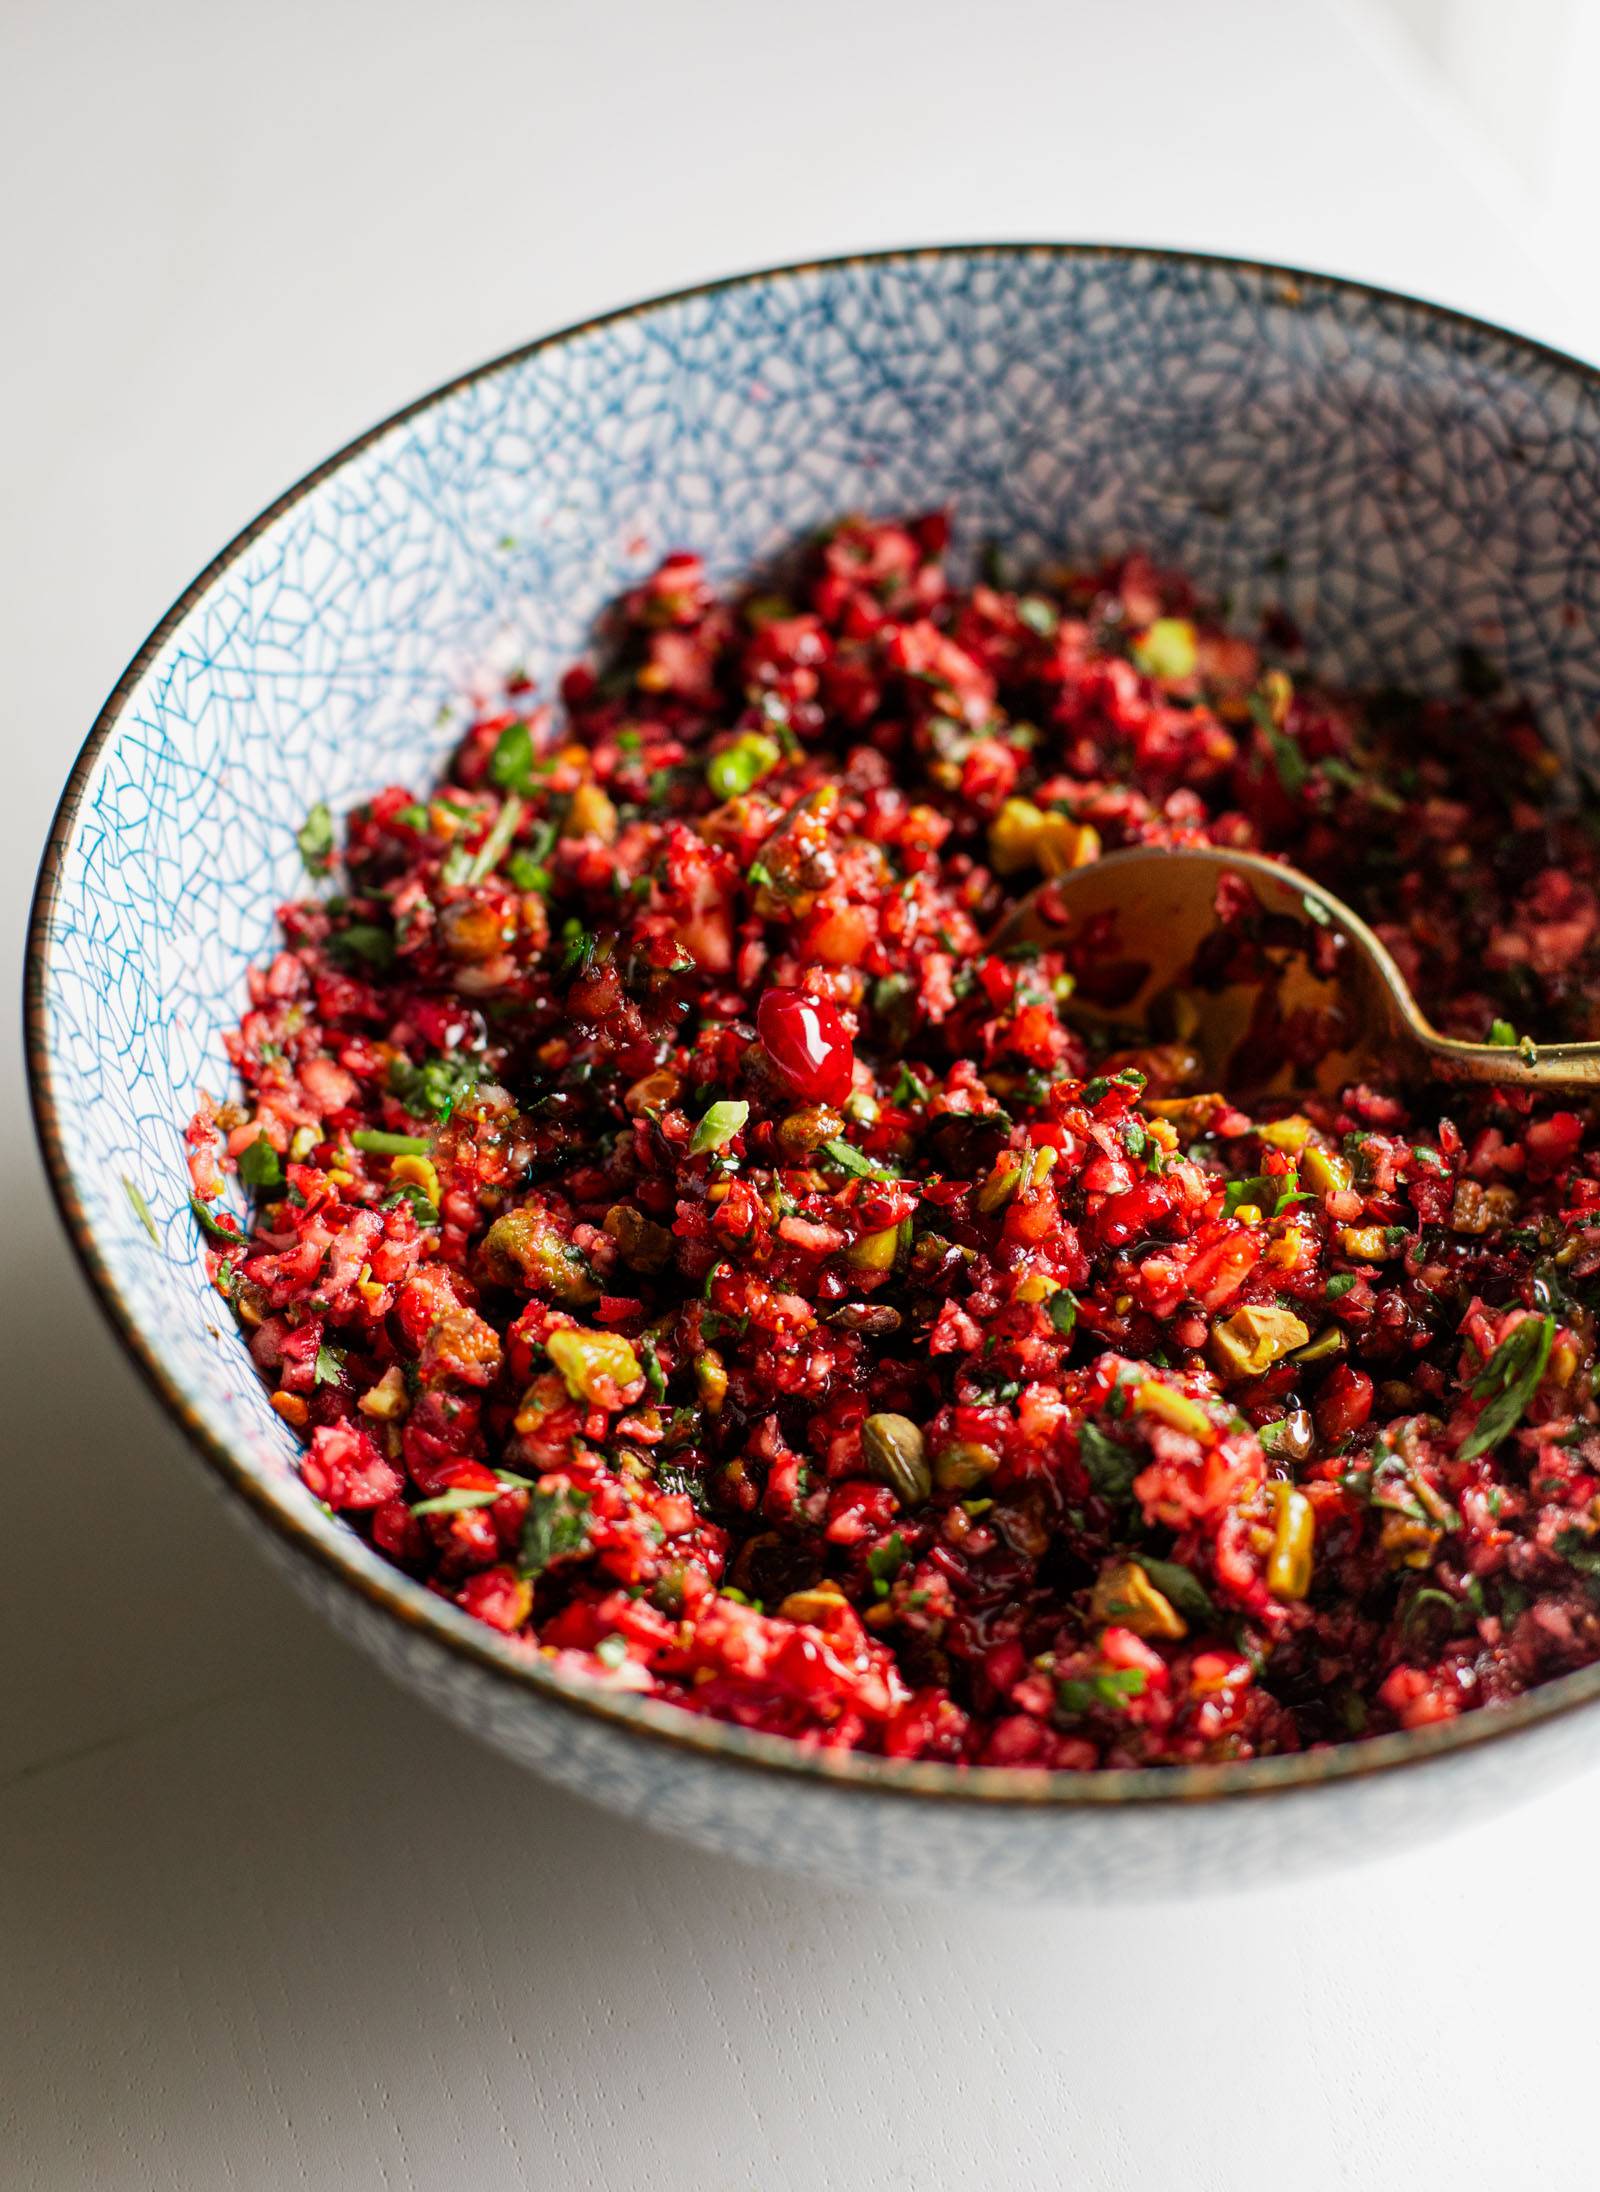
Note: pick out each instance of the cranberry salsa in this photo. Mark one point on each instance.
(685, 1245)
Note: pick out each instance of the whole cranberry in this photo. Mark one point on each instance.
(808, 1044)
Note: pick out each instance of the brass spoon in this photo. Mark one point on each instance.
(1163, 899)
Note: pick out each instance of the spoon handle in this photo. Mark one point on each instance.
(1548, 1066)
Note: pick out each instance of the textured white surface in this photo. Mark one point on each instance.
(263, 1922)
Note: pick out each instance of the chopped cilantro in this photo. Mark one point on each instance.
(850, 1159)
(364, 940)
(1108, 1692)
(1508, 1381)
(557, 1525)
(1181, 1587)
(315, 840)
(437, 1086)
(511, 763)
(1112, 1468)
(259, 1166)
(459, 1500)
(1063, 1307)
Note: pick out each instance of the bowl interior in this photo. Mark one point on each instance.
(1398, 478)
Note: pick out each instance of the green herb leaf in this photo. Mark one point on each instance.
(718, 1127)
(528, 873)
(495, 846)
(885, 1561)
(424, 1211)
(211, 1227)
(315, 840)
(1112, 1468)
(511, 763)
(1339, 1285)
(557, 1525)
(365, 941)
(1106, 1692)
(459, 1500)
(1503, 1035)
(1182, 1587)
(650, 1361)
(850, 1159)
(1260, 1189)
(329, 1367)
(141, 1209)
(1287, 759)
(259, 1166)
(438, 1085)
(1063, 1308)
(1508, 1381)
(741, 765)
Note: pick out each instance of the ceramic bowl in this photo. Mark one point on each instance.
(1402, 478)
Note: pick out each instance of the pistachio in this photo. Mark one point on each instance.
(1296, 1435)
(1176, 1410)
(1125, 1594)
(1329, 1341)
(653, 1093)
(388, 1400)
(642, 1244)
(1407, 1542)
(1014, 1170)
(807, 1129)
(590, 813)
(817, 1606)
(964, 1463)
(471, 932)
(523, 1247)
(1324, 1171)
(594, 1365)
(874, 1251)
(894, 1451)
(1023, 835)
(416, 1172)
(1291, 1133)
(1168, 648)
(1253, 1339)
(1293, 1540)
(711, 1376)
(1474, 1209)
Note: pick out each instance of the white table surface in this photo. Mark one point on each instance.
(265, 1922)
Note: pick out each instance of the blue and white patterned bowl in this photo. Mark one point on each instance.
(1401, 477)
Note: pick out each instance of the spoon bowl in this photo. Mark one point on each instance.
(1296, 992)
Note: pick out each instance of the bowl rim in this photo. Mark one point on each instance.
(690, 1735)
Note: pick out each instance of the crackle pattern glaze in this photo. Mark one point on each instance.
(1399, 478)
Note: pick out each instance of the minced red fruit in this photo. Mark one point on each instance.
(685, 1245)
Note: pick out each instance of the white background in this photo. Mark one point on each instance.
(264, 1922)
